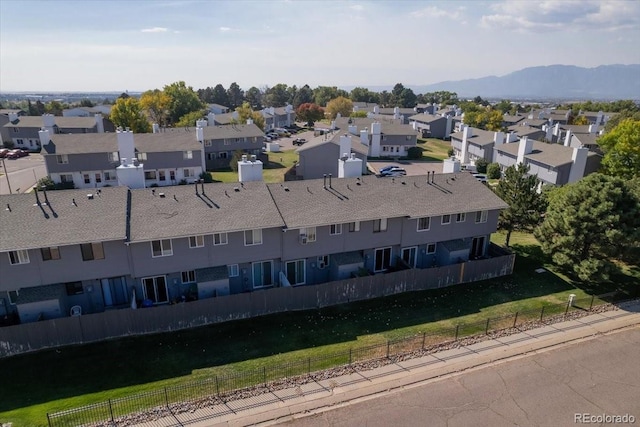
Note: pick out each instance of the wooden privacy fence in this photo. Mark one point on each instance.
(126, 322)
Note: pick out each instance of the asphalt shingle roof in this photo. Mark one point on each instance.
(426, 118)
(388, 126)
(61, 122)
(231, 131)
(25, 225)
(478, 136)
(356, 145)
(549, 154)
(222, 209)
(306, 203)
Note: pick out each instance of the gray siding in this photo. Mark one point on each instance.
(172, 160)
(323, 159)
(80, 162)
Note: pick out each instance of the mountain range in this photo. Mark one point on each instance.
(568, 82)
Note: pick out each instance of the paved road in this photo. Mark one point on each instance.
(23, 173)
(598, 376)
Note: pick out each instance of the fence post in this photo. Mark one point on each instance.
(48, 419)
(111, 411)
(486, 329)
(541, 313)
(457, 329)
(591, 305)
(388, 347)
(217, 387)
(515, 320)
(166, 397)
(264, 374)
(566, 310)
(424, 336)
(309, 366)
(350, 356)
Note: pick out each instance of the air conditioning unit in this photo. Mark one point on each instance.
(303, 239)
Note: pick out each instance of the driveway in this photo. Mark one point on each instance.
(22, 173)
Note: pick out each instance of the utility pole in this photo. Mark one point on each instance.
(6, 174)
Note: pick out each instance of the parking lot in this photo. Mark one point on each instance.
(22, 173)
(412, 168)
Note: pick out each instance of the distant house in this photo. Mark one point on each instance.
(598, 118)
(8, 115)
(387, 137)
(24, 129)
(553, 164)
(427, 108)
(509, 120)
(322, 157)
(87, 111)
(223, 118)
(220, 142)
(431, 126)
(278, 117)
(122, 158)
(217, 109)
(472, 144)
(523, 129)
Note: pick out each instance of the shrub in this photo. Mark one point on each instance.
(206, 176)
(451, 152)
(481, 165)
(237, 156)
(493, 171)
(47, 183)
(414, 153)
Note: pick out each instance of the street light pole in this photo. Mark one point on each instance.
(6, 174)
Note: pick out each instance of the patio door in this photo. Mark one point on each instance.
(114, 291)
(382, 259)
(409, 256)
(477, 247)
(155, 289)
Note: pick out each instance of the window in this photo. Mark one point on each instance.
(162, 176)
(161, 248)
(253, 237)
(92, 251)
(149, 175)
(262, 274)
(98, 177)
(87, 178)
(223, 155)
(155, 289)
(307, 235)
(461, 217)
(409, 255)
(354, 226)
(227, 142)
(114, 157)
(207, 143)
(196, 241)
(13, 297)
(16, 130)
(382, 259)
(336, 229)
(187, 155)
(323, 261)
(74, 288)
(62, 159)
(220, 239)
(431, 248)
(446, 219)
(296, 272)
(380, 225)
(51, 253)
(66, 177)
(18, 257)
(187, 173)
(172, 175)
(141, 156)
(114, 291)
(424, 223)
(188, 276)
(109, 176)
(234, 271)
(481, 216)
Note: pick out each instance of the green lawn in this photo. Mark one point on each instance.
(435, 150)
(54, 380)
(273, 171)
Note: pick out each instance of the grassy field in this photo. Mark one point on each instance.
(54, 380)
(434, 150)
(273, 171)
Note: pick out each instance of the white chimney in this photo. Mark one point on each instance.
(235, 115)
(498, 138)
(155, 128)
(249, 121)
(13, 117)
(578, 164)
(125, 144)
(45, 137)
(49, 121)
(548, 132)
(449, 128)
(333, 125)
(249, 170)
(376, 137)
(599, 118)
(338, 115)
(353, 129)
(376, 109)
(414, 125)
(99, 123)
(466, 134)
(593, 128)
(272, 111)
(211, 119)
(345, 145)
(349, 166)
(556, 130)
(200, 135)
(525, 146)
(451, 165)
(130, 174)
(364, 137)
(567, 138)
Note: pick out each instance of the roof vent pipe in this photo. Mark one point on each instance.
(324, 182)
(197, 188)
(330, 181)
(35, 191)
(202, 185)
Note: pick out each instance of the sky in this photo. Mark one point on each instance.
(120, 45)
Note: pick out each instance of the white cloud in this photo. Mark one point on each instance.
(155, 30)
(224, 29)
(357, 7)
(565, 15)
(436, 12)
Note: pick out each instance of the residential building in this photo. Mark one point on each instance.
(220, 142)
(387, 137)
(7, 115)
(321, 157)
(97, 160)
(217, 109)
(472, 144)
(119, 247)
(433, 126)
(105, 110)
(278, 117)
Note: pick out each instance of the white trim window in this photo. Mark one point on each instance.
(18, 257)
(155, 289)
(481, 216)
(335, 229)
(262, 273)
(446, 219)
(410, 255)
(50, 253)
(253, 237)
(188, 277)
(308, 235)
(13, 297)
(379, 225)
(296, 272)
(431, 248)
(160, 248)
(323, 261)
(141, 156)
(382, 259)
(62, 159)
(424, 223)
(196, 241)
(354, 226)
(187, 173)
(461, 217)
(114, 156)
(220, 239)
(92, 251)
(109, 176)
(234, 270)
(186, 155)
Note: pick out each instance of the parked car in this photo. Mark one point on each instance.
(394, 171)
(4, 152)
(386, 168)
(480, 177)
(272, 135)
(282, 132)
(15, 154)
(299, 141)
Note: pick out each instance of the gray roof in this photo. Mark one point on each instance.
(222, 209)
(389, 126)
(25, 225)
(553, 155)
(478, 137)
(231, 131)
(507, 118)
(527, 131)
(576, 128)
(426, 118)
(306, 204)
(537, 123)
(587, 138)
(356, 145)
(61, 122)
(166, 141)
(225, 118)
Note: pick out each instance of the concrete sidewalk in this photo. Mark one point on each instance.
(282, 405)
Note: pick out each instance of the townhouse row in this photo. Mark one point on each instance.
(94, 250)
